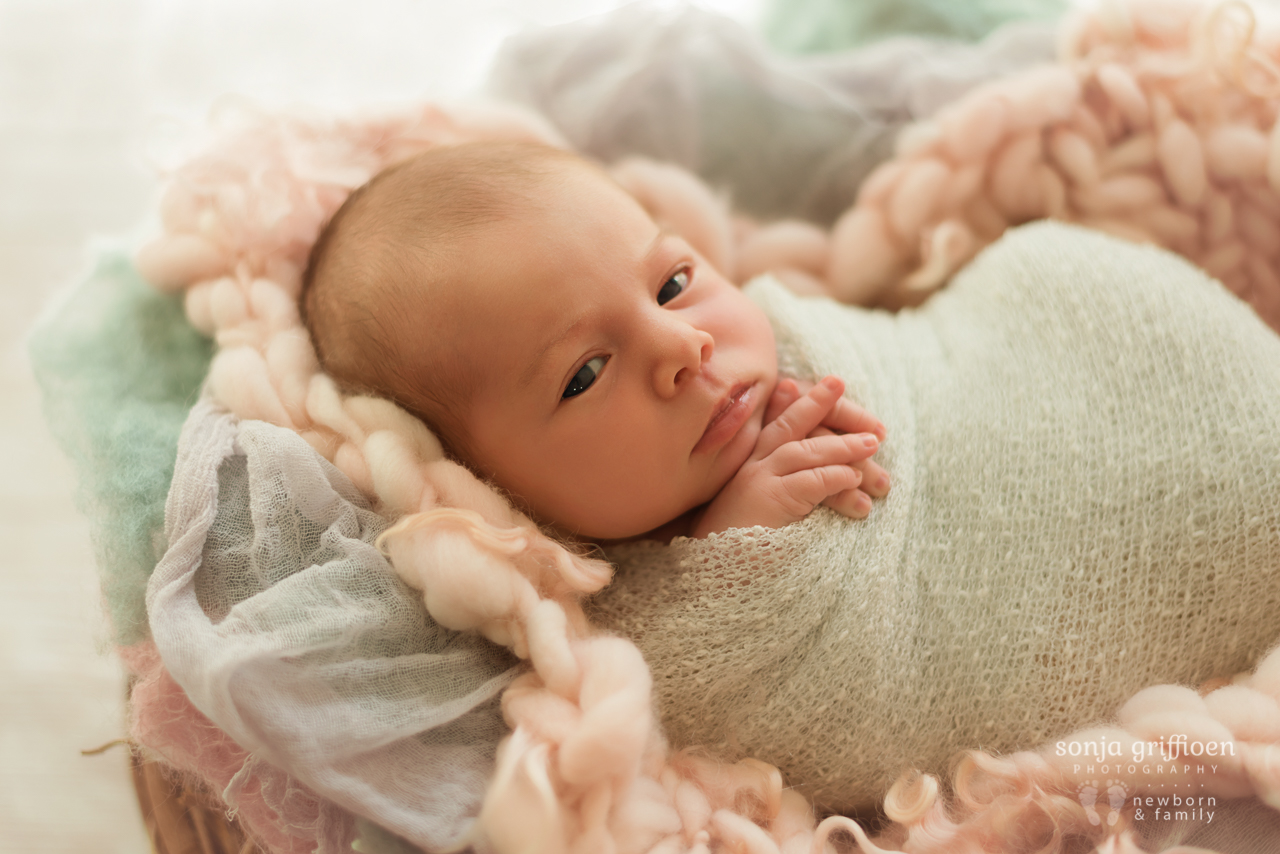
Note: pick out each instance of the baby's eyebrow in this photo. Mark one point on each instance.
(663, 233)
(535, 364)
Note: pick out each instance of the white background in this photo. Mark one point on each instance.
(84, 86)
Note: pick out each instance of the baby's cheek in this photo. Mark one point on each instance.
(751, 330)
(596, 501)
(654, 493)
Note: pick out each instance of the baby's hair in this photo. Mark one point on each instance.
(378, 268)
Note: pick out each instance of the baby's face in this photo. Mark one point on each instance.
(620, 380)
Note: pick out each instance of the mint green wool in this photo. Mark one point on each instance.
(823, 26)
(120, 367)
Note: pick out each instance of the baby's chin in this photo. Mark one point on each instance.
(659, 526)
(678, 521)
(661, 523)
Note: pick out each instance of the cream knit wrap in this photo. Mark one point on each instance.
(1085, 446)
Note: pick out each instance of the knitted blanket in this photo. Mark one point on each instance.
(1085, 447)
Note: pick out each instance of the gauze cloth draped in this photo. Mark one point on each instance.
(285, 626)
(783, 137)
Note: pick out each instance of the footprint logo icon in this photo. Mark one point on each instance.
(1116, 793)
(1088, 795)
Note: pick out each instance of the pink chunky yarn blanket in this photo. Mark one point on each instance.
(1159, 125)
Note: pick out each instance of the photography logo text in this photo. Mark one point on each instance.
(1105, 763)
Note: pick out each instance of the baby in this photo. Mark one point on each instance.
(580, 355)
(1085, 460)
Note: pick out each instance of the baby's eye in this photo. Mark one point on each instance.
(585, 376)
(673, 287)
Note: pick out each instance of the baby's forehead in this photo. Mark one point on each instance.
(459, 256)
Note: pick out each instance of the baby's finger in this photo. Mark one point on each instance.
(853, 503)
(848, 417)
(875, 480)
(833, 449)
(800, 492)
(785, 393)
(800, 418)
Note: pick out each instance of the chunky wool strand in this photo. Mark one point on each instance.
(1159, 125)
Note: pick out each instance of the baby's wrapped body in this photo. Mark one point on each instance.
(1084, 437)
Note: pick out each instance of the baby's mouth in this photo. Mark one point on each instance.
(730, 415)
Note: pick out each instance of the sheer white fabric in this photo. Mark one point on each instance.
(784, 137)
(286, 627)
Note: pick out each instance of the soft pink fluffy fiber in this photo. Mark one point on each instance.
(1159, 124)
(281, 814)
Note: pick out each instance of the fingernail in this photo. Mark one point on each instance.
(882, 482)
(864, 503)
(832, 383)
(869, 440)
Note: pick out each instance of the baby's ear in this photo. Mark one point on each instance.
(679, 200)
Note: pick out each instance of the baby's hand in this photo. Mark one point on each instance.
(793, 467)
(846, 417)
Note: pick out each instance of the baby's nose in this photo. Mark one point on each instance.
(682, 359)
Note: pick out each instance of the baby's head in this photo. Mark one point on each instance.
(568, 348)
